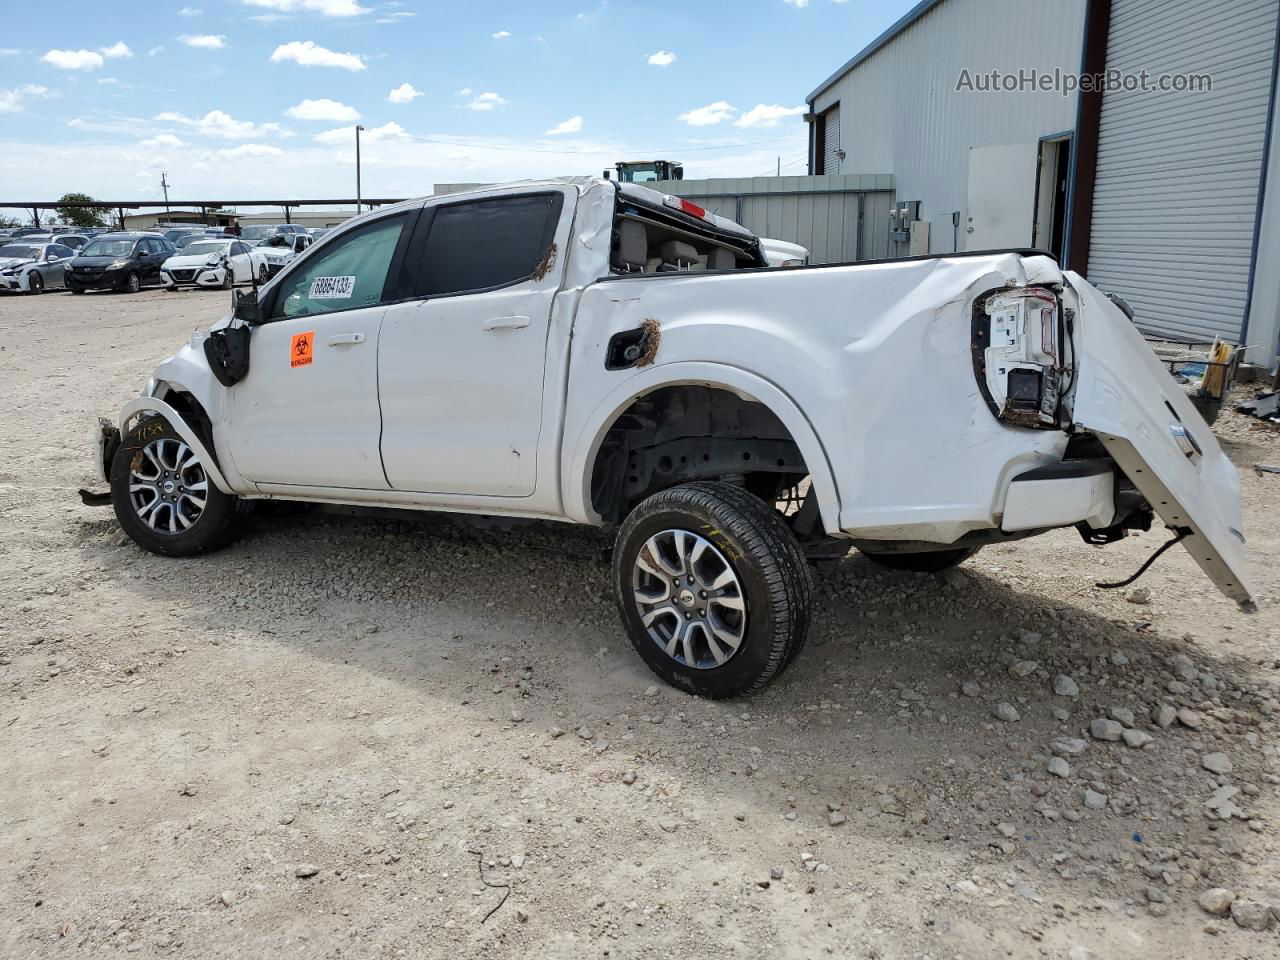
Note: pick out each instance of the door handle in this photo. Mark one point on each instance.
(506, 323)
(343, 339)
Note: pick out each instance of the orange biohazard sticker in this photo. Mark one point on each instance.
(300, 351)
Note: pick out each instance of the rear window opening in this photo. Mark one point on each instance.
(653, 241)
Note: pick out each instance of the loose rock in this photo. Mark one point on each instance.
(1102, 729)
(1006, 712)
(1251, 915)
(1216, 901)
(1137, 738)
(1058, 767)
(1064, 686)
(1216, 762)
(304, 870)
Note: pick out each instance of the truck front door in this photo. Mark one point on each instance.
(461, 368)
(306, 415)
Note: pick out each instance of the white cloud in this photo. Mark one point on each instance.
(403, 93)
(327, 8)
(709, 115)
(798, 4)
(13, 101)
(323, 109)
(465, 92)
(501, 35)
(109, 82)
(9, 51)
(216, 123)
(73, 59)
(205, 41)
(190, 12)
(161, 140)
(390, 131)
(767, 115)
(116, 51)
(661, 58)
(154, 50)
(572, 125)
(310, 54)
(250, 150)
(485, 101)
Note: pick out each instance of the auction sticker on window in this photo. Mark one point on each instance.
(300, 350)
(332, 288)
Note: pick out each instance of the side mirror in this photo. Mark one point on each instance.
(52, 258)
(245, 306)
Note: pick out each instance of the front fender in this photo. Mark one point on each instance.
(155, 405)
(578, 455)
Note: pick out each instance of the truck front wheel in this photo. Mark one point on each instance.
(163, 498)
(713, 589)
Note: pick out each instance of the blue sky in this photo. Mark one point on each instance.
(258, 97)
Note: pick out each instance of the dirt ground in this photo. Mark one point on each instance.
(353, 738)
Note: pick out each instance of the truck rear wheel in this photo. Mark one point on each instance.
(713, 589)
(934, 561)
(163, 497)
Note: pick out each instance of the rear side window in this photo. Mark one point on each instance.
(484, 244)
(351, 273)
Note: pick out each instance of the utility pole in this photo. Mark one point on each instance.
(358, 129)
(779, 170)
(164, 185)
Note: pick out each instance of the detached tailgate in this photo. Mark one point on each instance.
(1148, 425)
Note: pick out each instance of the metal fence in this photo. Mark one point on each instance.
(839, 218)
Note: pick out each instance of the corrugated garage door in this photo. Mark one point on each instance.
(831, 140)
(1177, 184)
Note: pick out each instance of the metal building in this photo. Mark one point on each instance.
(1157, 195)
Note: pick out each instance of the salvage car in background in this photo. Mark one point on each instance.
(215, 263)
(600, 353)
(280, 249)
(33, 267)
(118, 261)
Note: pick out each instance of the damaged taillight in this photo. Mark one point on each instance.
(1017, 354)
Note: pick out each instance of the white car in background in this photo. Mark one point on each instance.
(280, 249)
(214, 263)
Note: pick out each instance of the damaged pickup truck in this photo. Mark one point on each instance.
(599, 353)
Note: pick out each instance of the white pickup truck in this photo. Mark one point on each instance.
(599, 353)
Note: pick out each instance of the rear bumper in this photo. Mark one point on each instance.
(1062, 495)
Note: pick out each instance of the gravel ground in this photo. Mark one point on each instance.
(355, 738)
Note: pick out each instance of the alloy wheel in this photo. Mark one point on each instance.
(168, 487)
(689, 598)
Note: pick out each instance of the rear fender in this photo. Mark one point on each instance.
(135, 408)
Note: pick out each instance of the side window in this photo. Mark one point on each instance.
(238, 249)
(62, 251)
(483, 244)
(352, 273)
(142, 248)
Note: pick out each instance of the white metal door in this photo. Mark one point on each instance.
(1002, 196)
(1176, 192)
(307, 413)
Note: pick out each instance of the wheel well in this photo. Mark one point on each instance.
(689, 432)
(192, 413)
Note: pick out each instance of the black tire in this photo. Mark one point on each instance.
(77, 290)
(229, 280)
(216, 525)
(132, 283)
(755, 542)
(35, 284)
(932, 562)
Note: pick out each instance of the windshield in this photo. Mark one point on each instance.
(19, 252)
(256, 233)
(107, 248)
(204, 248)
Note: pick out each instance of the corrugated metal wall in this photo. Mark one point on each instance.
(1177, 185)
(821, 213)
(900, 109)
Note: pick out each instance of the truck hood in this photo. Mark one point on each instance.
(1126, 397)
